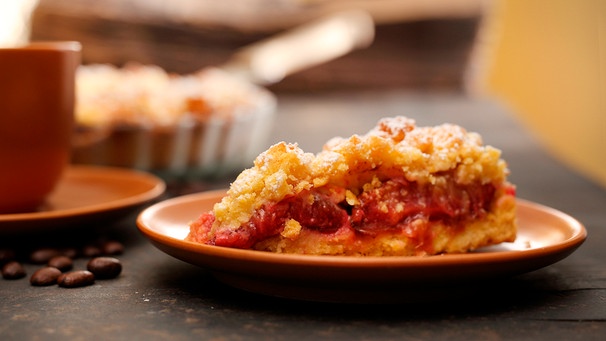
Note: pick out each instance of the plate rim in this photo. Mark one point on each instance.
(578, 236)
(158, 187)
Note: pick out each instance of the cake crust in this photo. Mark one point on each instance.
(397, 190)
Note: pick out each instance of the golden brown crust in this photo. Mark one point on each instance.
(396, 147)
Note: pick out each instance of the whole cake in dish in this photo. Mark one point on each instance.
(141, 116)
(397, 190)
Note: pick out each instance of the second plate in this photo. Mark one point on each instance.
(85, 195)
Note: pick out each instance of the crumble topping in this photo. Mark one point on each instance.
(395, 148)
(143, 95)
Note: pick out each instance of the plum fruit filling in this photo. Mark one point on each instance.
(394, 204)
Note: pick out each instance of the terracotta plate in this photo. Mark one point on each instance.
(545, 237)
(88, 194)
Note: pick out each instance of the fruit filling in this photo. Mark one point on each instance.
(379, 207)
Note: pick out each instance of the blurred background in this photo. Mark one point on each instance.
(544, 59)
(420, 45)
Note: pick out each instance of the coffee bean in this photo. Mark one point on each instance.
(63, 263)
(45, 276)
(13, 270)
(91, 251)
(7, 255)
(112, 248)
(104, 267)
(76, 279)
(43, 255)
(70, 252)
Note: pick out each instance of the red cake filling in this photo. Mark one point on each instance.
(395, 204)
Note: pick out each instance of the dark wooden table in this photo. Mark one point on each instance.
(160, 298)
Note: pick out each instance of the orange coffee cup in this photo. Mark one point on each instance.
(37, 95)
